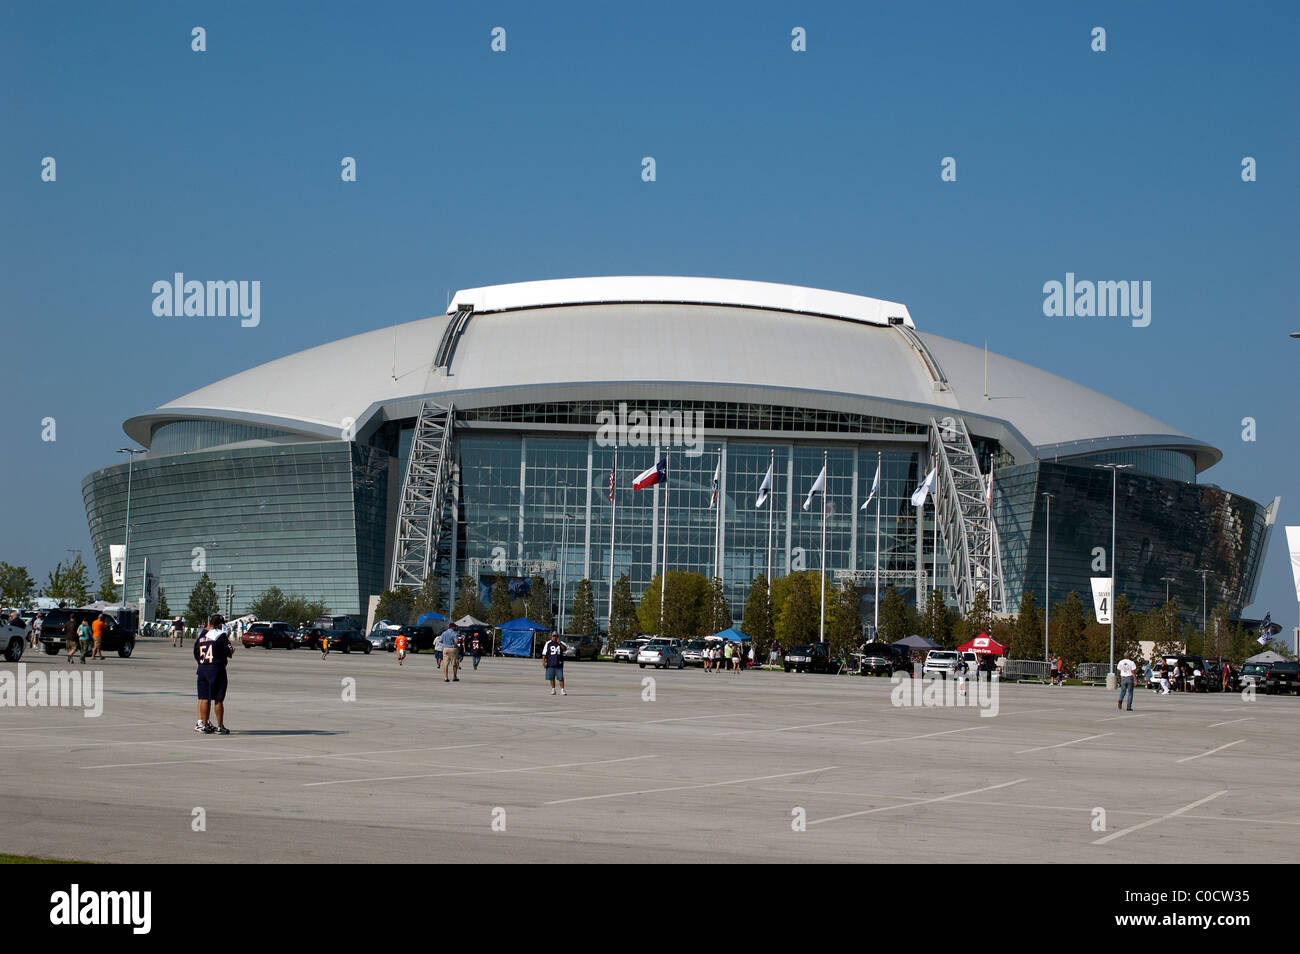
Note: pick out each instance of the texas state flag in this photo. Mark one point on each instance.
(658, 474)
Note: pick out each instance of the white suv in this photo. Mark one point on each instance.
(941, 662)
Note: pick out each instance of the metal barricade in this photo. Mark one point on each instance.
(1092, 672)
(1026, 670)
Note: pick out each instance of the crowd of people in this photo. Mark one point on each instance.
(724, 654)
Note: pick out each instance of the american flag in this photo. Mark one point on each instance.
(611, 485)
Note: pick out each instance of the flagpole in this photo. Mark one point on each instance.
(717, 517)
(821, 626)
(613, 518)
(771, 506)
(935, 571)
(663, 587)
(876, 605)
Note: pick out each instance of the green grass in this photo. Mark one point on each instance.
(31, 860)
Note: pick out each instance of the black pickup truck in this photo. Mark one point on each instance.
(1282, 677)
(61, 624)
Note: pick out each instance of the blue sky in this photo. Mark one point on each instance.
(818, 168)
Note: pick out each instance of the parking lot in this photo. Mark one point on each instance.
(761, 766)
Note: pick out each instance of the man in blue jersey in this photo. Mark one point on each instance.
(553, 659)
(212, 650)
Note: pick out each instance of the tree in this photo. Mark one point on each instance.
(108, 591)
(843, 620)
(16, 585)
(1027, 633)
(584, 609)
(1162, 627)
(893, 616)
(757, 621)
(718, 610)
(500, 609)
(538, 605)
(69, 583)
(428, 599)
(467, 601)
(1069, 638)
(934, 621)
(622, 617)
(163, 611)
(1128, 631)
(1219, 641)
(796, 603)
(395, 605)
(685, 612)
(273, 605)
(980, 618)
(203, 603)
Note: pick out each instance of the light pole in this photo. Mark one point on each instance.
(1047, 577)
(1166, 580)
(1204, 574)
(126, 543)
(1114, 496)
(564, 554)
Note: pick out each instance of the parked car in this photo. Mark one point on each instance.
(308, 637)
(348, 640)
(119, 637)
(1282, 677)
(627, 650)
(660, 653)
(13, 639)
(812, 657)
(418, 637)
(1253, 674)
(580, 647)
(693, 652)
(383, 638)
(941, 663)
(266, 636)
(882, 659)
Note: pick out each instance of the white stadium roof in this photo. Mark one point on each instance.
(675, 338)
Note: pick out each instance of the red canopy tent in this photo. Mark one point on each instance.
(984, 643)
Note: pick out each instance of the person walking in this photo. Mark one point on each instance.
(476, 647)
(774, 653)
(97, 630)
(450, 662)
(399, 643)
(71, 635)
(324, 643)
(83, 639)
(178, 632)
(1127, 669)
(553, 660)
(212, 651)
(1146, 675)
(35, 635)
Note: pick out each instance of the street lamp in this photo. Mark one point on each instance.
(564, 554)
(1166, 580)
(126, 543)
(1047, 577)
(1204, 574)
(1114, 492)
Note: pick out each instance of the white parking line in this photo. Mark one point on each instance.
(530, 768)
(1058, 745)
(928, 735)
(1155, 821)
(792, 728)
(682, 788)
(302, 756)
(99, 724)
(1136, 715)
(1215, 725)
(1211, 752)
(924, 801)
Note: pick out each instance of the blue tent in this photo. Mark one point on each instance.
(732, 635)
(435, 617)
(517, 636)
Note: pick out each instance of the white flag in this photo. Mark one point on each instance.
(875, 489)
(1101, 598)
(1293, 546)
(819, 486)
(765, 489)
(117, 558)
(988, 500)
(919, 495)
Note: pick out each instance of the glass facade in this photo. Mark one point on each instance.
(1164, 528)
(308, 518)
(1172, 465)
(186, 437)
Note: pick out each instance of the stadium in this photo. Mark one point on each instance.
(480, 442)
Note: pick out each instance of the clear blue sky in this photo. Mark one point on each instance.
(817, 168)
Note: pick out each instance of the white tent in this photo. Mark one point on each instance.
(1267, 656)
(469, 622)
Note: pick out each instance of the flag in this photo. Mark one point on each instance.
(819, 486)
(1267, 625)
(988, 498)
(611, 485)
(658, 474)
(919, 495)
(1264, 640)
(764, 489)
(875, 489)
(717, 475)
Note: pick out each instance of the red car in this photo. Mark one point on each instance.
(267, 636)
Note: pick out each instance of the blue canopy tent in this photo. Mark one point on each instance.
(731, 635)
(430, 617)
(517, 636)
